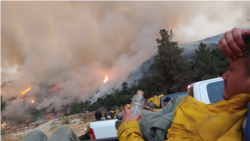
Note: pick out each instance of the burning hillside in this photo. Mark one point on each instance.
(47, 98)
(48, 95)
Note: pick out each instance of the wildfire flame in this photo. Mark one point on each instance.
(106, 79)
(53, 88)
(3, 125)
(27, 120)
(25, 91)
(32, 101)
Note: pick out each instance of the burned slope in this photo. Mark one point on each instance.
(44, 96)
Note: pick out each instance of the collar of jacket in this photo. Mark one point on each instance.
(234, 104)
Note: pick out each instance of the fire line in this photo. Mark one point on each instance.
(25, 91)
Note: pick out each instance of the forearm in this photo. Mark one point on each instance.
(129, 131)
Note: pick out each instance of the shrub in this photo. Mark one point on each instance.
(3, 132)
(115, 107)
(78, 110)
(66, 121)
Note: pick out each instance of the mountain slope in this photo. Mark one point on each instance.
(147, 69)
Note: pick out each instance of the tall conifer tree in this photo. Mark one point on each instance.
(171, 65)
(208, 64)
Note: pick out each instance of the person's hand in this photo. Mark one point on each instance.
(146, 107)
(232, 44)
(127, 116)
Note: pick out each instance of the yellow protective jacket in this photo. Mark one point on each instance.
(154, 109)
(196, 121)
(156, 100)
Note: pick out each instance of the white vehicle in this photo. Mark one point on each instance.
(103, 129)
(207, 91)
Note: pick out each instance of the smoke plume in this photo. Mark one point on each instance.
(72, 46)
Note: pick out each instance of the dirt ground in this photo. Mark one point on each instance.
(17, 136)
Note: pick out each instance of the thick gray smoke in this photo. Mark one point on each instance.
(74, 45)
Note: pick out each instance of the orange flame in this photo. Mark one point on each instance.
(106, 79)
(27, 120)
(3, 125)
(32, 101)
(52, 89)
(25, 91)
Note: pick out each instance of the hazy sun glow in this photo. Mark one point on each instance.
(32, 101)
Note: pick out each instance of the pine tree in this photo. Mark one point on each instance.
(3, 103)
(125, 88)
(208, 64)
(223, 61)
(78, 110)
(171, 65)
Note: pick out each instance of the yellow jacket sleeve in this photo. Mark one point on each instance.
(161, 96)
(129, 131)
(88, 129)
(151, 99)
(154, 109)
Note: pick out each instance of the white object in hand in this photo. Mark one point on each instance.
(137, 103)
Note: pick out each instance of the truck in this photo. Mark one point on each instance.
(104, 129)
(207, 91)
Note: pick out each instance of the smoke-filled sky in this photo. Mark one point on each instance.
(88, 40)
